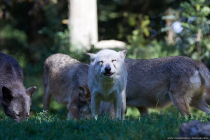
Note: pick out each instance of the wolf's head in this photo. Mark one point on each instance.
(84, 102)
(107, 63)
(80, 105)
(16, 103)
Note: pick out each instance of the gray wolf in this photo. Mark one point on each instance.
(66, 80)
(15, 99)
(160, 82)
(107, 79)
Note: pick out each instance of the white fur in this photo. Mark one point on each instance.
(108, 88)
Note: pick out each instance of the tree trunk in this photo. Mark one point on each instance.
(83, 24)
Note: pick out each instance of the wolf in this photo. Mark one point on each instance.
(65, 79)
(107, 79)
(15, 99)
(160, 82)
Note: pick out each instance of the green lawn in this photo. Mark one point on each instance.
(157, 126)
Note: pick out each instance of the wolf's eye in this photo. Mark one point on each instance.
(114, 60)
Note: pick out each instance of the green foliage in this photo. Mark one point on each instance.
(57, 34)
(194, 38)
(155, 126)
(8, 32)
(141, 47)
(31, 35)
(140, 25)
(140, 44)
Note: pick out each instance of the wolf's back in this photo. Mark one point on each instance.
(9, 69)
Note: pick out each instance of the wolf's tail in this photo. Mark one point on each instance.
(205, 74)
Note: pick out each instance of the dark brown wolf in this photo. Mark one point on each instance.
(15, 99)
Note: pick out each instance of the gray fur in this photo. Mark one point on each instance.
(159, 82)
(66, 80)
(15, 99)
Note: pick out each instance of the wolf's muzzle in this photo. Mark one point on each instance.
(108, 69)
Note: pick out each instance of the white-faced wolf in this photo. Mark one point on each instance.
(15, 99)
(159, 82)
(107, 78)
(66, 80)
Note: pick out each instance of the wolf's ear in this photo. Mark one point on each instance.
(30, 91)
(84, 93)
(123, 53)
(7, 96)
(92, 56)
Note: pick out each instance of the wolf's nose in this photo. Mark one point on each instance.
(108, 69)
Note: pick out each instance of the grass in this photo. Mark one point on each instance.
(159, 125)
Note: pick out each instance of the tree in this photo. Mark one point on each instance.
(83, 23)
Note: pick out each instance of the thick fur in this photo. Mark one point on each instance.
(66, 80)
(15, 99)
(105, 87)
(162, 81)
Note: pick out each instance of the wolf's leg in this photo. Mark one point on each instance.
(180, 102)
(95, 105)
(199, 103)
(118, 106)
(143, 110)
(123, 104)
(111, 110)
(46, 98)
(105, 107)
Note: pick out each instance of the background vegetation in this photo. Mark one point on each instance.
(32, 30)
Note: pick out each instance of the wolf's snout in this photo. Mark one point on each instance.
(108, 69)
